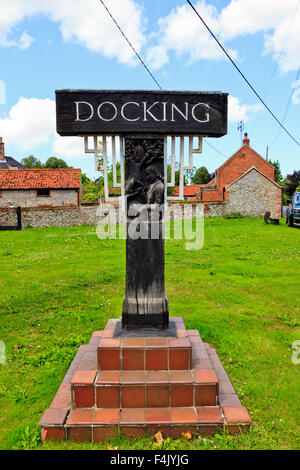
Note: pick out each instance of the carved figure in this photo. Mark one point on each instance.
(155, 192)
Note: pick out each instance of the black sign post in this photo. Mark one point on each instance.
(143, 118)
(92, 112)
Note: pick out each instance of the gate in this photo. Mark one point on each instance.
(18, 212)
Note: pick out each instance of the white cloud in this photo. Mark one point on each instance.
(23, 43)
(32, 122)
(278, 20)
(87, 23)
(84, 22)
(288, 57)
(241, 112)
(68, 147)
(242, 17)
(157, 57)
(182, 32)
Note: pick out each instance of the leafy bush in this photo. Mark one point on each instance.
(170, 190)
(233, 215)
(26, 438)
(91, 197)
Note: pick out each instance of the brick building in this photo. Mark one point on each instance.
(245, 183)
(40, 187)
(190, 191)
(8, 163)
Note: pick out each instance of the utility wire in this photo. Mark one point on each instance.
(143, 63)
(216, 150)
(277, 63)
(286, 110)
(241, 73)
(147, 69)
(134, 50)
(282, 49)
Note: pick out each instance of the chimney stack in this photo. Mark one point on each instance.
(246, 141)
(2, 152)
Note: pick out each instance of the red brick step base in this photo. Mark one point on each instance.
(140, 386)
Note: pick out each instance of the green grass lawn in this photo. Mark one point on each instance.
(241, 291)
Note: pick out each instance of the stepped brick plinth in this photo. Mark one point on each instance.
(140, 385)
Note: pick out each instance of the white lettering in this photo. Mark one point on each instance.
(123, 109)
(185, 116)
(207, 115)
(115, 109)
(147, 111)
(77, 111)
(165, 110)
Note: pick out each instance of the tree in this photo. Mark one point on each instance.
(31, 162)
(177, 174)
(54, 162)
(84, 179)
(201, 176)
(292, 182)
(278, 174)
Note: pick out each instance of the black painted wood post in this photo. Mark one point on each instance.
(145, 303)
(19, 217)
(143, 118)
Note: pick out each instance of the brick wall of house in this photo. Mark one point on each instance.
(210, 195)
(244, 159)
(28, 198)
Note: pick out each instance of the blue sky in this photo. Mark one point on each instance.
(50, 44)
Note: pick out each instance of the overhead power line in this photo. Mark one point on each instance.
(143, 63)
(241, 73)
(277, 64)
(286, 109)
(216, 150)
(145, 66)
(134, 50)
(283, 47)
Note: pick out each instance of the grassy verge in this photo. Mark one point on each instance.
(241, 291)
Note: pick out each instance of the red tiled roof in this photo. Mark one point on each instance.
(63, 178)
(189, 190)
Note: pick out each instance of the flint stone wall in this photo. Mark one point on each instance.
(46, 217)
(71, 216)
(252, 195)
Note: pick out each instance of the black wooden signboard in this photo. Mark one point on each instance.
(143, 118)
(97, 112)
